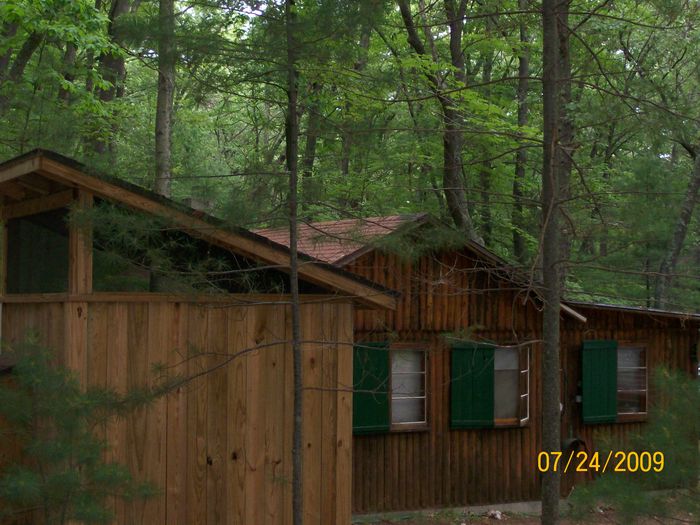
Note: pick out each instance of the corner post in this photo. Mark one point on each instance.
(79, 283)
(80, 249)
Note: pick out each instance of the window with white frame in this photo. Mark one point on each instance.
(631, 380)
(408, 392)
(490, 385)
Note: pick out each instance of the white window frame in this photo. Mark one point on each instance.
(409, 425)
(622, 416)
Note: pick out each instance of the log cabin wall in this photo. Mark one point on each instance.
(220, 446)
(442, 467)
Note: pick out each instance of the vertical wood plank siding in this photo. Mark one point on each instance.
(219, 447)
(440, 467)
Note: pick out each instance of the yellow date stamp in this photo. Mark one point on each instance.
(613, 461)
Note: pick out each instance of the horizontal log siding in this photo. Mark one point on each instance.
(219, 447)
(440, 467)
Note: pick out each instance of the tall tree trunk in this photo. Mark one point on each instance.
(670, 261)
(313, 125)
(347, 135)
(521, 155)
(551, 421)
(24, 55)
(166, 88)
(487, 165)
(566, 148)
(452, 181)
(112, 68)
(9, 30)
(68, 70)
(292, 148)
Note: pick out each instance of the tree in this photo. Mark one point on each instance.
(667, 448)
(551, 417)
(452, 118)
(61, 475)
(166, 88)
(292, 150)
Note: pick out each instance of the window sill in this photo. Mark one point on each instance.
(410, 427)
(632, 418)
(509, 423)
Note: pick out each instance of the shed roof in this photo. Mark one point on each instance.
(340, 242)
(68, 172)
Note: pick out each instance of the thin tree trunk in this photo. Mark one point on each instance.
(486, 166)
(551, 422)
(313, 125)
(668, 265)
(166, 88)
(347, 136)
(566, 148)
(292, 148)
(521, 155)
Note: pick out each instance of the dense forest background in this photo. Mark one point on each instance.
(403, 106)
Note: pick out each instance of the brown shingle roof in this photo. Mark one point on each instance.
(336, 242)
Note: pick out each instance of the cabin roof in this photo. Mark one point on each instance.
(658, 312)
(18, 177)
(342, 241)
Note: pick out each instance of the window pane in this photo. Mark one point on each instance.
(408, 410)
(630, 357)
(506, 359)
(407, 361)
(506, 393)
(410, 385)
(631, 402)
(631, 379)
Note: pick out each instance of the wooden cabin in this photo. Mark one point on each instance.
(219, 447)
(447, 407)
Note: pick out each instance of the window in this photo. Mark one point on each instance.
(614, 382)
(631, 380)
(408, 399)
(490, 386)
(389, 388)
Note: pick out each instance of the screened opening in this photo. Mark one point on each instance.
(506, 383)
(37, 253)
(134, 251)
(631, 380)
(408, 397)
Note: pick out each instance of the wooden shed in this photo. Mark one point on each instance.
(220, 446)
(447, 410)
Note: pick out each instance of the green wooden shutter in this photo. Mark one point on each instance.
(599, 381)
(370, 402)
(471, 400)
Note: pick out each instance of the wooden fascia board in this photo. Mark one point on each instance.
(24, 167)
(573, 313)
(60, 199)
(206, 231)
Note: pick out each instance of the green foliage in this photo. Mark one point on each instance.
(61, 474)
(378, 132)
(674, 430)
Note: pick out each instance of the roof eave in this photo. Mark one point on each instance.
(248, 243)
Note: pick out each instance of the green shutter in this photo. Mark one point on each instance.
(370, 402)
(471, 400)
(599, 381)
